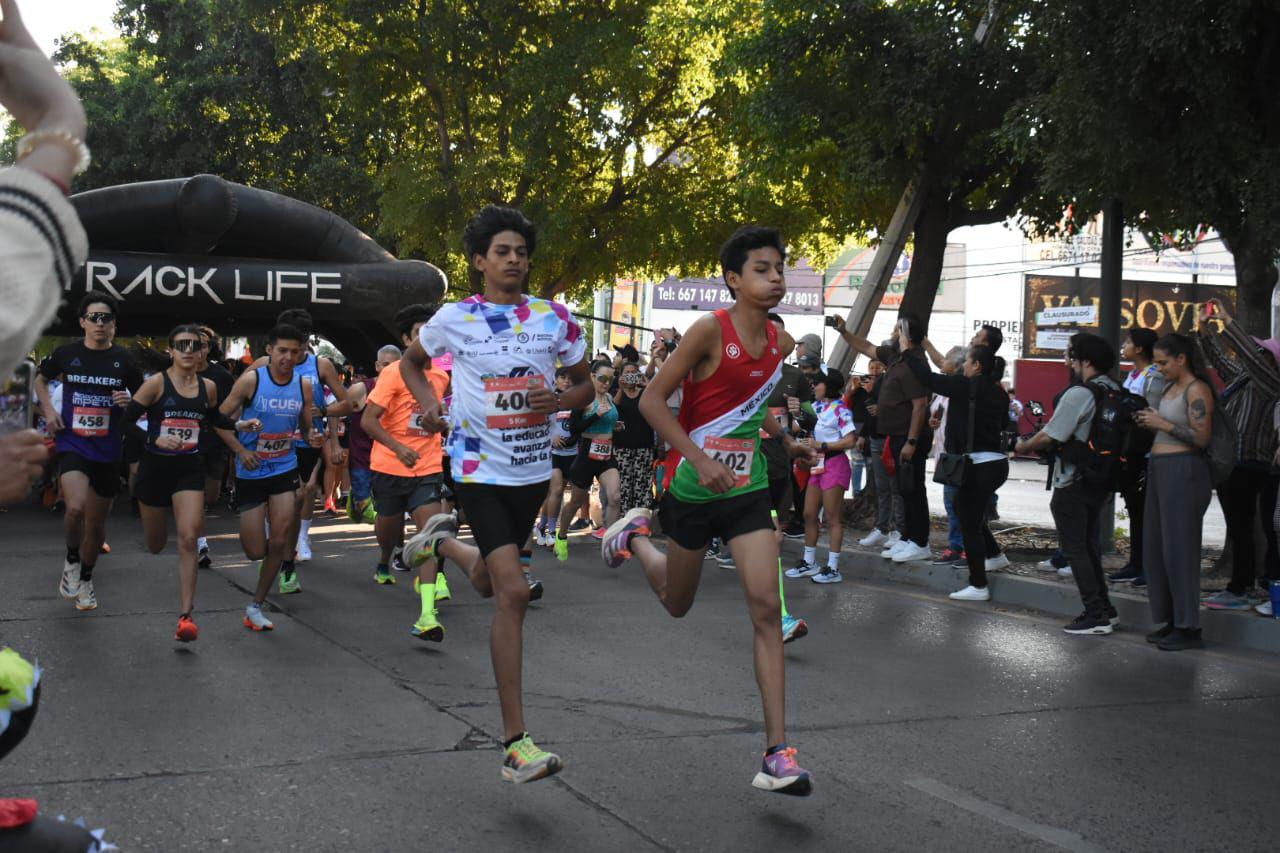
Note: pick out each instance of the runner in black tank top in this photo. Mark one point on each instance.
(177, 404)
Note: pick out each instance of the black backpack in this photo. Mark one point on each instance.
(1114, 439)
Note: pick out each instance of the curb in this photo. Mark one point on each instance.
(1245, 630)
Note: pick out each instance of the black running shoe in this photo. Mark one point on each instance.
(1086, 624)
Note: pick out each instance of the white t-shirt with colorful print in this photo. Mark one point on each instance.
(500, 352)
(835, 421)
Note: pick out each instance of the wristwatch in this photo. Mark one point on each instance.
(911, 441)
(823, 447)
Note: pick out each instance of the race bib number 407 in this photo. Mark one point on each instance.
(186, 431)
(506, 402)
(273, 445)
(90, 422)
(735, 454)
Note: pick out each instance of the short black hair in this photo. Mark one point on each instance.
(299, 319)
(1144, 340)
(775, 317)
(1093, 349)
(492, 220)
(832, 379)
(562, 371)
(185, 329)
(285, 332)
(995, 337)
(96, 298)
(733, 254)
(413, 314)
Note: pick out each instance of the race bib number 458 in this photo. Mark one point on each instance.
(90, 422)
(735, 454)
(506, 402)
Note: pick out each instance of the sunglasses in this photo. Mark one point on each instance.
(604, 378)
(188, 345)
(103, 317)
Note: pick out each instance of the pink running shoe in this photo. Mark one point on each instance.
(615, 547)
(782, 775)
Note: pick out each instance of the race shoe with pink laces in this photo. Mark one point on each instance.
(615, 547)
(782, 775)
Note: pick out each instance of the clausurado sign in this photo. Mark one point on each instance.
(1161, 306)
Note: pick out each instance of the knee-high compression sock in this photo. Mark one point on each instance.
(782, 595)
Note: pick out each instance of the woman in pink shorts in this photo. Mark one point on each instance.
(833, 437)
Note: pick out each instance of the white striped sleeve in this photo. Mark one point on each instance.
(42, 245)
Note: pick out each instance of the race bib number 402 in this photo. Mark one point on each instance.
(506, 402)
(185, 430)
(273, 445)
(90, 422)
(735, 454)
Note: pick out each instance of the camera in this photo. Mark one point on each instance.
(670, 344)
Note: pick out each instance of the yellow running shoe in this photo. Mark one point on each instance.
(442, 588)
(525, 762)
(383, 576)
(428, 628)
(562, 549)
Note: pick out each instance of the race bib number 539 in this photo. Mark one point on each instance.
(506, 402)
(185, 430)
(735, 454)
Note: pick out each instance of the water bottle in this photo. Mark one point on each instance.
(1274, 589)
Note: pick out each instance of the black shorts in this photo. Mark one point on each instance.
(308, 459)
(134, 445)
(778, 491)
(104, 477)
(251, 493)
(214, 461)
(585, 469)
(562, 463)
(501, 515)
(394, 496)
(159, 477)
(448, 491)
(692, 525)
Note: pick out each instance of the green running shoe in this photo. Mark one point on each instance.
(562, 549)
(351, 508)
(525, 762)
(367, 511)
(442, 588)
(383, 576)
(428, 628)
(289, 583)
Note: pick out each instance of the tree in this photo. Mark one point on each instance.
(862, 92)
(1172, 112)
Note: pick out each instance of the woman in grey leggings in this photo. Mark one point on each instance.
(1178, 490)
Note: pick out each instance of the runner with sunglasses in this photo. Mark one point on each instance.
(179, 407)
(98, 378)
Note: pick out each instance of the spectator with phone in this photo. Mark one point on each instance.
(1249, 400)
(1138, 349)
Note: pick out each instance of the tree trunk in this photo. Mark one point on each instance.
(929, 246)
(1256, 276)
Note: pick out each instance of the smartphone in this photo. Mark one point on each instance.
(830, 321)
(16, 407)
(1211, 309)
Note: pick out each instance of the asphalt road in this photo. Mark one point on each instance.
(928, 724)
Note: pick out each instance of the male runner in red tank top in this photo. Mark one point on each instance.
(729, 362)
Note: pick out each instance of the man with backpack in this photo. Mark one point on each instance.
(1093, 430)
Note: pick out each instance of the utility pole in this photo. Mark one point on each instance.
(1112, 272)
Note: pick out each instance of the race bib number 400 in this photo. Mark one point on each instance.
(506, 402)
(273, 445)
(186, 431)
(735, 454)
(90, 422)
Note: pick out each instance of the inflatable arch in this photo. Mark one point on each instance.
(203, 249)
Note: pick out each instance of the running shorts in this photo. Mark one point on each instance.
(692, 525)
(562, 463)
(215, 462)
(104, 477)
(255, 492)
(585, 469)
(394, 496)
(500, 515)
(159, 477)
(308, 459)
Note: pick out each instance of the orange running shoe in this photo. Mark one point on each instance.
(187, 630)
(330, 505)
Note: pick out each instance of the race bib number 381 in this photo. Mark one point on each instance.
(735, 454)
(506, 402)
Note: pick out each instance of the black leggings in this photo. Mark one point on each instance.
(1239, 498)
(971, 508)
(916, 504)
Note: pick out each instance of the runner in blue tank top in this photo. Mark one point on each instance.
(266, 468)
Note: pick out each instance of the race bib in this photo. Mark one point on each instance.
(90, 422)
(779, 413)
(185, 430)
(273, 445)
(506, 402)
(600, 449)
(418, 424)
(735, 454)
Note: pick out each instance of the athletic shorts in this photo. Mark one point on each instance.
(134, 445)
(501, 515)
(159, 477)
(214, 462)
(251, 493)
(104, 477)
(447, 471)
(692, 525)
(563, 463)
(361, 484)
(836, 472)
(308, 459)
(394, 496)
(585, 469)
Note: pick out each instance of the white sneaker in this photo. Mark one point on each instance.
(422, 547)
(1046, 566)
(892, 550)
(972, 593)
(874, 538)
(304, 549)
(911, 551)
(894, 538)
(1064, 572)
(802, 570)
(254, 619)
(828, 575)
(999, 561)
(85, 599)
(1264, 609)
(70, 582)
